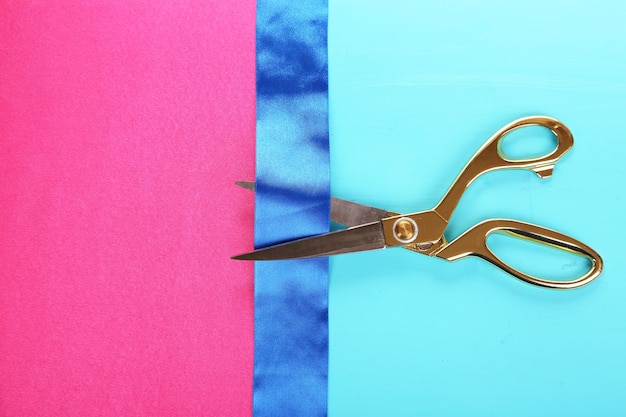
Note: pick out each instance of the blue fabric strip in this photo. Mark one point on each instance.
(292, 200)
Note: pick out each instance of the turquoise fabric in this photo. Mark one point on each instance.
(415, 89)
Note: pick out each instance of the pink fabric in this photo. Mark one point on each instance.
(123, 126)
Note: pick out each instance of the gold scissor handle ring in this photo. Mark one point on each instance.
(491, 157)
(474, 243)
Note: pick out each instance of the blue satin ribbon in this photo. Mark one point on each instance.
(292, 201)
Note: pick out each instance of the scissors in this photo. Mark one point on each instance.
(370, 228)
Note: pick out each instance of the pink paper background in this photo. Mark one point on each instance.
(123, 126)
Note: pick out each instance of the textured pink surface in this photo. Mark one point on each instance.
(123, 126)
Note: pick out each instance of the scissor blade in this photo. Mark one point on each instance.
(248, 185)
(352, 214)
(360, 238)
(344, 212)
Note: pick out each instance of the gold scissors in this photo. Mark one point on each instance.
(371, 228)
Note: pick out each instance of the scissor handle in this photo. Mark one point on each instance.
(474, 243)
(491, 157)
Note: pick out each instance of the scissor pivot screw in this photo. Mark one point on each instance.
(405, 230)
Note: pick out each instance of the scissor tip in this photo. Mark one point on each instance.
(248, 185)
(243, 257)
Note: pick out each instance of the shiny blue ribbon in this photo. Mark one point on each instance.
(292, 201)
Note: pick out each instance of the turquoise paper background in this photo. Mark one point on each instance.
(415, 89)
